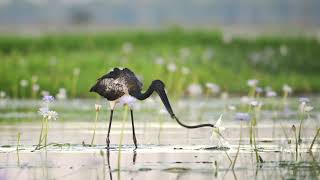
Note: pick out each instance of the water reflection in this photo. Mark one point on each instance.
(134, 157)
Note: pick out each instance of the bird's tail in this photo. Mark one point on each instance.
(159, 88)
(93, 88)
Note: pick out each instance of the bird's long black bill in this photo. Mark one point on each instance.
(165, 101)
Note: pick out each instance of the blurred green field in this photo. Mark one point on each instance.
(210, 56)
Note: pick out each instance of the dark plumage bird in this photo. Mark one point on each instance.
(123, 87)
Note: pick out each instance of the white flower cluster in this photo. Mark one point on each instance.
(44, 110)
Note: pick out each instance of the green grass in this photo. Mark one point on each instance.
(53, 58)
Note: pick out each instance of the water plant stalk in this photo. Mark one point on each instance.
(300, 127)
(296, 140)
(46, 133)
(17, 149)
(95, 127)
(314, 139)
(238, 149)
(41, 133)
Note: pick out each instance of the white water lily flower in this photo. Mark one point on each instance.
(171, 67)
(35, 87)
(245, 100)
(97, 107)
(252, 82)
(52, 115)
(255, 103)
(23, 83)
(214, 88)
(195, 89)
(271, 94)
(43, 111)
(286, 88)
(62, 94)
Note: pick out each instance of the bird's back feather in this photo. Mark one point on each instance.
(116, 83)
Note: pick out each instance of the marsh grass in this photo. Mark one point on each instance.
(238, 149)
(17, 149)
(95, 127)
(314, 139)
(97, 53)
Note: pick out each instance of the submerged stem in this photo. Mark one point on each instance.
(235, 158)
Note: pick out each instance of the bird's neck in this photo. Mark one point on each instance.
(157, 86)
(146, 94)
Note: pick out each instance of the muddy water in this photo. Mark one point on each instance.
(166, 150)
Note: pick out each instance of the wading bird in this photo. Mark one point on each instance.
(123, 87)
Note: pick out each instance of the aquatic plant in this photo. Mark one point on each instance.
(294, 130)
(17, 148)
(62, 94)
(97, 108)
(252, 83)
(23, 83)
(47, 115)
(286, 91)
(304, 108)
(240, 117)
(212, 88)
(253, 130)
(314, 139)
(35, 89)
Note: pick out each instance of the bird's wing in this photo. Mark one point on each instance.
(114, 74)
(130, 80)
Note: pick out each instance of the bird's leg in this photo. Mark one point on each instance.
(109, 128)
(133, 132)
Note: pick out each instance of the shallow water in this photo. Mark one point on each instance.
(166, 150)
